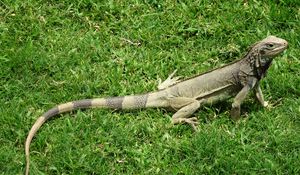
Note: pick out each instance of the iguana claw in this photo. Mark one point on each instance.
(193, 121)
(169, 81)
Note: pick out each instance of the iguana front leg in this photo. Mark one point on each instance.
(186, 106)
(236, 105)
(169, 81)
(259, 96)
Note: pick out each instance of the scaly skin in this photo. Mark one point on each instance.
(233, 80)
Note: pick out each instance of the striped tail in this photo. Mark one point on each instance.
(126, 102)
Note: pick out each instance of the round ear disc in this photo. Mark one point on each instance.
(262, 51)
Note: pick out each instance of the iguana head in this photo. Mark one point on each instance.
(263, 52)
(271, 46)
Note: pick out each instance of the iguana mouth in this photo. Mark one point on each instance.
(279, 50)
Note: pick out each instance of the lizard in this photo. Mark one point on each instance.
(235, 80)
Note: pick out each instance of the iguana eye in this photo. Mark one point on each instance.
(270, 45)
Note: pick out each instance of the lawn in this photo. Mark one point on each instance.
(52, 52)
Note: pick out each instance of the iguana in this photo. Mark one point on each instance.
(186, 96)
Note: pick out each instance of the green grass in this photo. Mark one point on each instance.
(52, 52)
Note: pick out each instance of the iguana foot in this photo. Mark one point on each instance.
(193, 121)
(266, 104)
(169, 81)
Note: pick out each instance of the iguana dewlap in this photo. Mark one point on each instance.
(233, 80)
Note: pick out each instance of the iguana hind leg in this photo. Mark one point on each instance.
(186, 106)
(169, 81)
